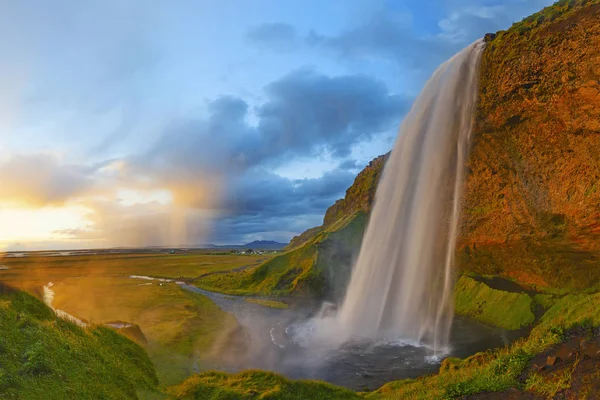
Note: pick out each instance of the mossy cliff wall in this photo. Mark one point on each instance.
(532, 197)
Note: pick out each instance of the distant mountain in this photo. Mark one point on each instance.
(264, 245)
(256, 245)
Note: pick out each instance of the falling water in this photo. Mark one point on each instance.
(402, 283)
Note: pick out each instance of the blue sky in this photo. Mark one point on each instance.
(186, 122)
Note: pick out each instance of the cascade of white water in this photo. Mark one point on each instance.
(401, 285)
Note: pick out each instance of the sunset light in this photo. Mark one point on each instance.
(47, 223)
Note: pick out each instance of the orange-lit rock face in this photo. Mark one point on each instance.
(532, 197)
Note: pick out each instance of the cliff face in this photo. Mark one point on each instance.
(532, 199)
(359, 198)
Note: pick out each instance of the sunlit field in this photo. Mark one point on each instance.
(178, 327)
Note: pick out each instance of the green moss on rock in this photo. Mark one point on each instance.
(510, 311)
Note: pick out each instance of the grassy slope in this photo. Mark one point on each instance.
(43, 357)
(256, 384)
(495, 307)
(180, 327)
(303, 271)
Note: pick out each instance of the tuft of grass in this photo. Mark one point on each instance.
(549, 387)
(545, 300)
(256, 384)
(510, 311)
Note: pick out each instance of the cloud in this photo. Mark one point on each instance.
(389, 35)
(262, 202)
(349, 165)
(306, 110)
(305, 114)
(41, 179)
(219, 169)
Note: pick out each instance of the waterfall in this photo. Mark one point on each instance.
(401, 285)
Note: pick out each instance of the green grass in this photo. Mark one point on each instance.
(36, 270)
(494, 307)
(44, 357)
(256, 385)
(269, 303)
(278, 276)
(545, 300)
(180, 327)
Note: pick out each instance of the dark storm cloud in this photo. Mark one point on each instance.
(307, 110)
(305, 113)
(265, 194)
(225, 162)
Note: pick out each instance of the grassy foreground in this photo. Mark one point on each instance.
(44, 357)
(179, 327)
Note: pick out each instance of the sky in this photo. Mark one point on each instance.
(147, 123)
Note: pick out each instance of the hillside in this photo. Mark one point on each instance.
(318, 262)
(45, 357)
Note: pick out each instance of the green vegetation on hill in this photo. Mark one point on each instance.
(45, 357)
(177, 328)
(318, 268)
(495, 307)
(180, 327)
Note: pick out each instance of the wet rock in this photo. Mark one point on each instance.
(489, 37)
(552, 360)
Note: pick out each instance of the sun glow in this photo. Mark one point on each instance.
(38, 224)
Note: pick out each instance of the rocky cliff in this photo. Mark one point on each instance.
(532, 204)
(359, 198)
